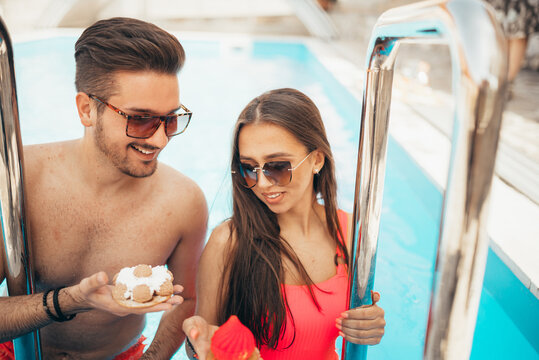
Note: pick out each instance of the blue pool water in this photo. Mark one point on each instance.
(219, 78)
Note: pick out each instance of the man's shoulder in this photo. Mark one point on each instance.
(41, 156)
(37, 153)
(169, 174)
(179, 189)
(180, 183)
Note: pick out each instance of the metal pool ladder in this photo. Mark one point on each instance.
(17, 259)
(479, 62)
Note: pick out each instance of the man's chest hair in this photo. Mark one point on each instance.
(65, 256)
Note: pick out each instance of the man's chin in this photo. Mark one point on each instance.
(142, 171)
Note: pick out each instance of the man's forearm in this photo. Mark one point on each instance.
(21, 315)
(169, 335)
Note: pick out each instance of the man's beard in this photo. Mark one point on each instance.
(112, 153)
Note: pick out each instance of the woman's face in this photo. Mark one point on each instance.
(265, 142)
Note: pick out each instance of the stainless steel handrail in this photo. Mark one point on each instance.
(17, 259)
(479, 61)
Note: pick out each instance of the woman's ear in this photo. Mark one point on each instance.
(319, 159)
(84, 109)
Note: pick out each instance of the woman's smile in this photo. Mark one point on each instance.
(273, 197)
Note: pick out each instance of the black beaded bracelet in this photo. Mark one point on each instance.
(59, 312)
(61, 317)
(46, 307)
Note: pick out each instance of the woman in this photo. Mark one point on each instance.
(519, 20)
(279, 263)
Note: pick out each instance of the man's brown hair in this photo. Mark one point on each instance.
(123, 44)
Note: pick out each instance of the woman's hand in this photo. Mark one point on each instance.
(199, 333)
(94, 292)
(363, 325)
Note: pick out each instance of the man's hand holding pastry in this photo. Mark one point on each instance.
(128, 297)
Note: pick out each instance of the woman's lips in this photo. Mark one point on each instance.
(273, 198)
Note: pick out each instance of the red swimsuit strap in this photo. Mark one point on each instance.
(343, 221)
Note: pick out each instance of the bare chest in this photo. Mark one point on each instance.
(73, 236)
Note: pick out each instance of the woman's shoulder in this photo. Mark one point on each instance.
(216, 252)
(221, 232)
(220, 239)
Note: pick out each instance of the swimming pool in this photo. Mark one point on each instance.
(219, 78)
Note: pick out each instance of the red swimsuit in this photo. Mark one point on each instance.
(315, 330)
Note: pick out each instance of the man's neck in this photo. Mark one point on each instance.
(98, 173)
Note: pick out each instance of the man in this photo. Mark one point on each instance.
(103, 202)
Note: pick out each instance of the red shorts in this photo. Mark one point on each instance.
(133, 353)
(6, 351)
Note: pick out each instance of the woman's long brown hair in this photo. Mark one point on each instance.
(251, 287)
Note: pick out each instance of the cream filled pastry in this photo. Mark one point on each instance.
(142, 286)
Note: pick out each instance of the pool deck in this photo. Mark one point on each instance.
(421, 112)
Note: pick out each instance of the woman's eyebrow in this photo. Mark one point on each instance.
(270, 156)
(279, 154)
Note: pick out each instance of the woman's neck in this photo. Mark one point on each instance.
(302, 220)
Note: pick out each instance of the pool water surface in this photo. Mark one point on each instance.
(219, 78)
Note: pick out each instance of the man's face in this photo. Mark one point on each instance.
(138, 93)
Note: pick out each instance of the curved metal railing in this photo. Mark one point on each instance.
(479, 62)
(17, 267)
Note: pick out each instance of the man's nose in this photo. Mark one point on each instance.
(159, 138)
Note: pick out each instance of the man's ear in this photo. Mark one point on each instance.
(84, 109)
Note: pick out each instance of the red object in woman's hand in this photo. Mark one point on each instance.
(233, 341)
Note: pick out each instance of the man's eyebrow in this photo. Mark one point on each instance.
(148, 111)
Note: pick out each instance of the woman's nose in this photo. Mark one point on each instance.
(263, 180)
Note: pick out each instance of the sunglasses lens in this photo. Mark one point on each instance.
(172, 125)
(278, 172)
(142, 127)
(176, 124)
(248, 174)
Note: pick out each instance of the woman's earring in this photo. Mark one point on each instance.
(316, 171)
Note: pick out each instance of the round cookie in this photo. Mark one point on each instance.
(142, 271)
(142, 293)
(118, 291)
(165, 289)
